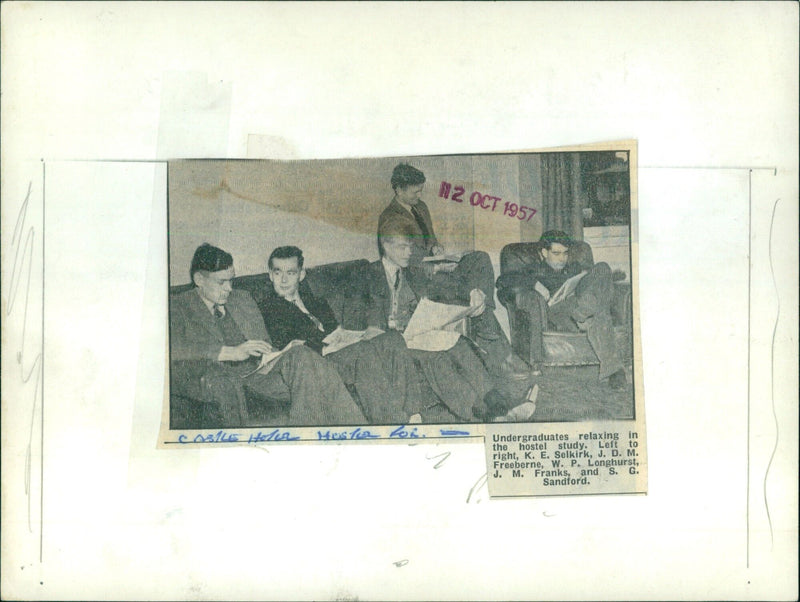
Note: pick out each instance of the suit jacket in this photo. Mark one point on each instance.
(379, 296)
(457, 377)
(423, 245)
(542, 272)
(194, 333)
(285, 321)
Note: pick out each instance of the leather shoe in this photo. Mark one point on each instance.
(524, 411)
(618, 380)
(514, 368)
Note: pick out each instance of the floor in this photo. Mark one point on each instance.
(566, 394)
(575, 394)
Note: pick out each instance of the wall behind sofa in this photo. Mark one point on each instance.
(329, 208)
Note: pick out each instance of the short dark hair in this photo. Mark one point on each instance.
(555, 236)
(404, 175)
(208, 258)
(394, 227)
(286, 252)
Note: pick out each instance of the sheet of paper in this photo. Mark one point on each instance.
(446, 258)
(433, 340)
(566, 289)
(430, 315)
(268, 360)
(341, 338)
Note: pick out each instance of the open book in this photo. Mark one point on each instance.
(268, 360)
(563, 292)
(341, 338)
(447, 258)
(431, 327)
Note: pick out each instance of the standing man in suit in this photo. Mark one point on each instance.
(457, 376)
(216, 338)
(449, 282)
(381, 371)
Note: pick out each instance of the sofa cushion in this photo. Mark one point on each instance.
(343, 285)
(517, 256)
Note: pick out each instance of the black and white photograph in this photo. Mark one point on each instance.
(404, 290)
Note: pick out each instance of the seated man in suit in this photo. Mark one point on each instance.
(450, 282)
(588, 309)
(457, 376)
(380, 370)
(216, 338)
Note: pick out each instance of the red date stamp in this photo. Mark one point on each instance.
(485, 201)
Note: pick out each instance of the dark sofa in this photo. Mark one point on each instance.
(343, 285)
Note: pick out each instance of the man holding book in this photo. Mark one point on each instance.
(217, 339)
(578, 299)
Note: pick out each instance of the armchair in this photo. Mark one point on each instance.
(531, 338)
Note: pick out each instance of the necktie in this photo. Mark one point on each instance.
(397, 280)
(218, 312)
(314, 319)
(421, 223)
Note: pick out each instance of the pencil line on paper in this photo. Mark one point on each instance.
(20, 283)
(749, 298)
(41, 367)
(772, 374)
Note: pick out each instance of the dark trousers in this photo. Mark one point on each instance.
(589, 310)
(394, 382)
(457, 377)
(300, 377)
(384, 376)
(475, 271)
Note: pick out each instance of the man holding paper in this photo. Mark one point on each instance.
(577, 299)
(451, 367)
(217, 337)
(375, 363)
(451, 279)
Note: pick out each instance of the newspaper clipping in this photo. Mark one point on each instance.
(485, 297)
